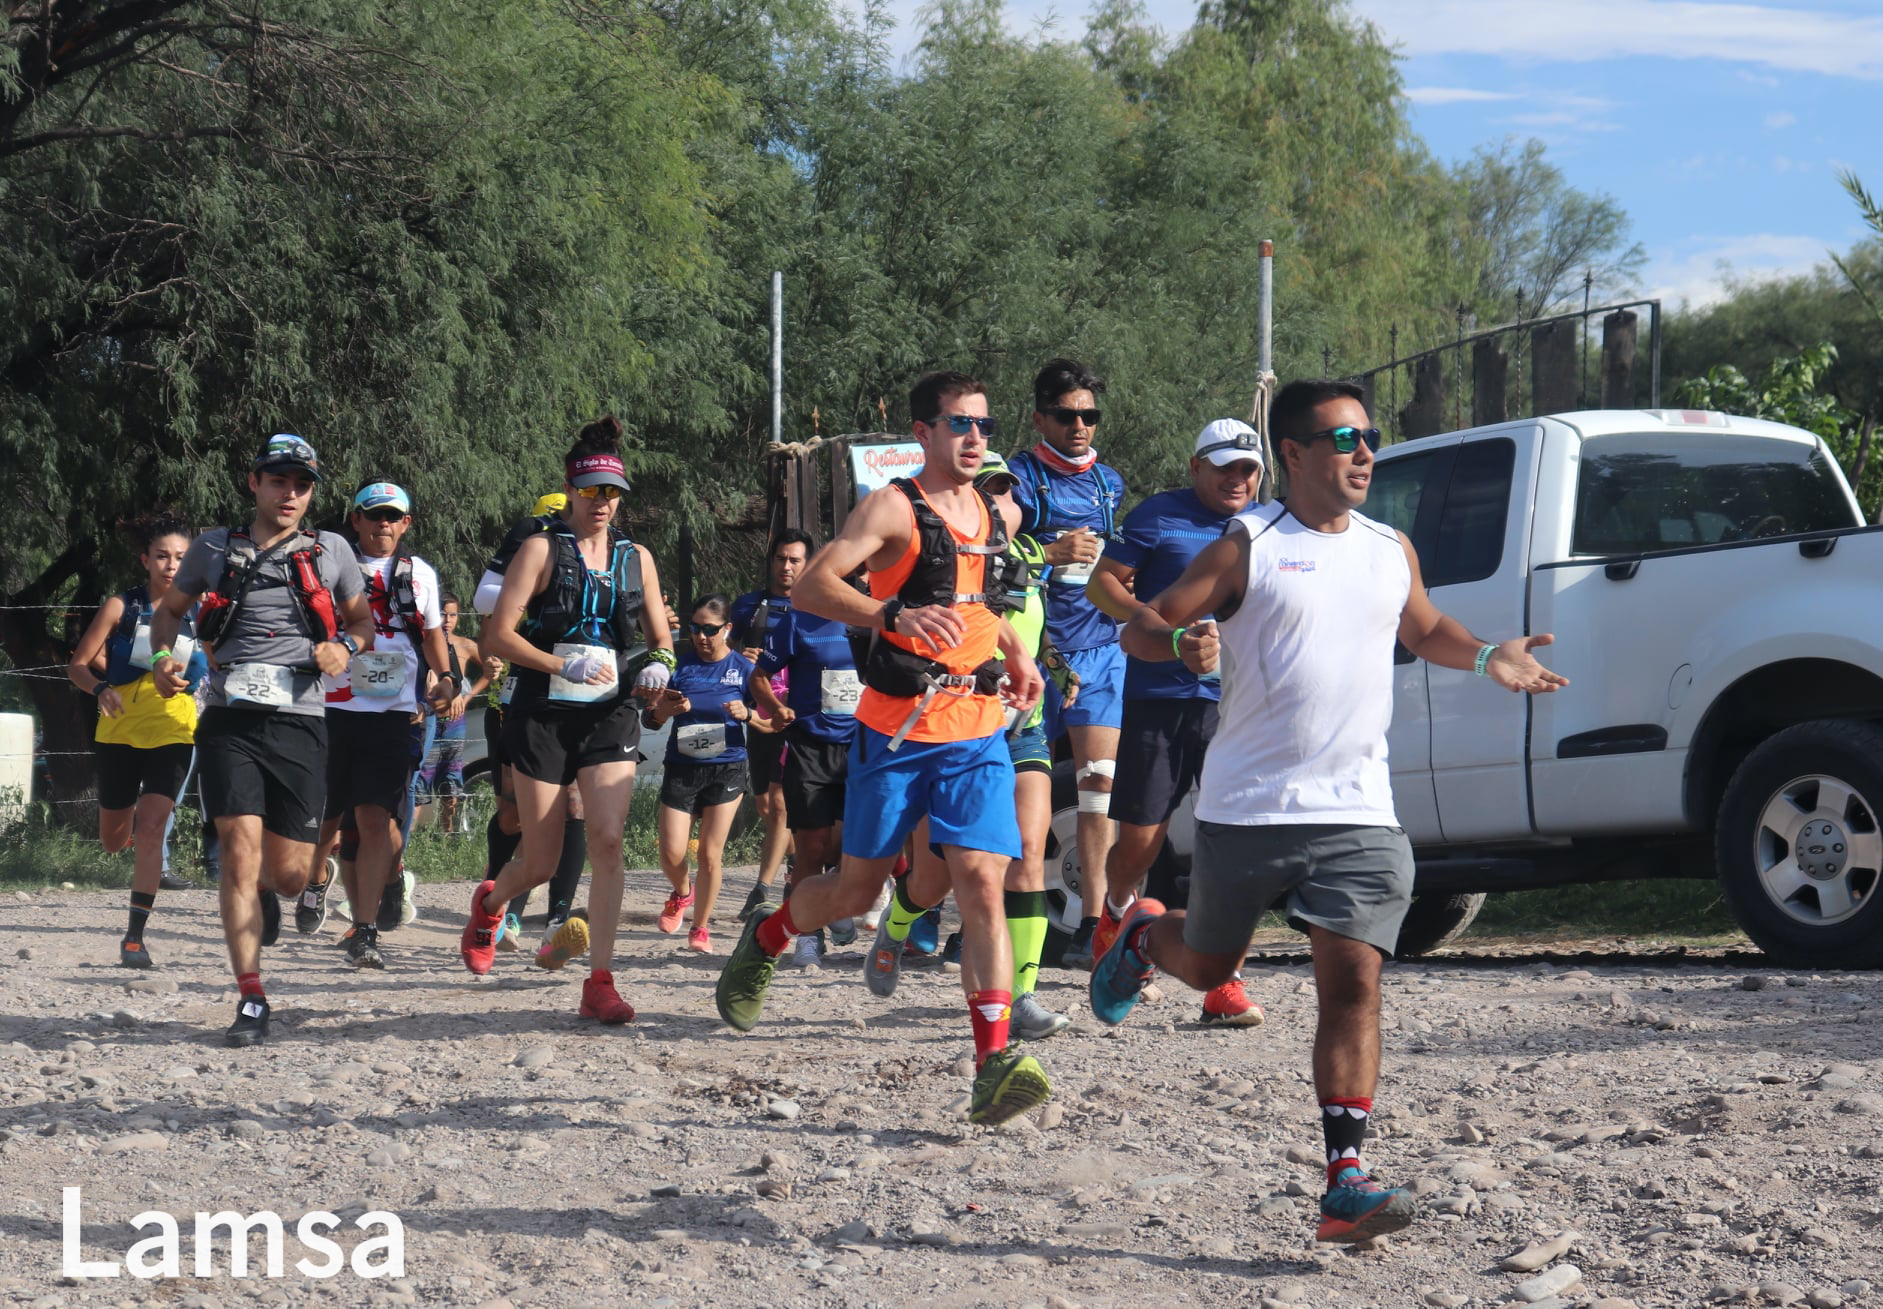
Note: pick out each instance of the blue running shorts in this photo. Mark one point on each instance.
(965, 788)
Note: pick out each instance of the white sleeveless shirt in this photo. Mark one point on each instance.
(1308, 676)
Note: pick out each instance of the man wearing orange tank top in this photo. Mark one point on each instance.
(929, 739)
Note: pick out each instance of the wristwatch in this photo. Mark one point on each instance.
(352, 645)
(891, 609)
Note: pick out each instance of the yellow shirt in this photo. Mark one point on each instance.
(149, 720)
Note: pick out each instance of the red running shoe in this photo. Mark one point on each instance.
(602, 1002)
(1230, 1006)
(478, 945)
(1107, 930)
(676, 910)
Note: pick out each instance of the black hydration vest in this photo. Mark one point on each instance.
(576, 608)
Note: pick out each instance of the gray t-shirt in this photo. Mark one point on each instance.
(270, 632)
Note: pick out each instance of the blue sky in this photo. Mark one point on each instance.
(1719, 127)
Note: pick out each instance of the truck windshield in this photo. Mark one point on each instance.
(1649, 492)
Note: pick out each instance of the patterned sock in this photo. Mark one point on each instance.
(988, 1014)
(568, 875)
(250, 985)
(141, 905)
(1343, 1128)
(903, 911)
(1026, 928)
(775, 933)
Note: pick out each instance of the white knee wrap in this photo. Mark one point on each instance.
(1096, 802)
(1105, 768)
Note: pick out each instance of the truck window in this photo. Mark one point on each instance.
(1639, 494)
(1400, 487)
(1470, 543)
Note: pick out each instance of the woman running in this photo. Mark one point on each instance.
(705, 775)
(574, 623)
(145, 743)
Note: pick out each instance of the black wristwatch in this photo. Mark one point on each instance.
(891, 609)
(347, 639)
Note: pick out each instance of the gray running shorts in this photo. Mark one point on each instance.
(1353, 881)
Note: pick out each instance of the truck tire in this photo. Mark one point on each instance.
(1436, 920)
(1799, 845)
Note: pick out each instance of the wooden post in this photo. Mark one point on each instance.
(1490, 381)
(810, 498)
(1618, 360)
(840, 491)
(1553, 368)
(1424, 415)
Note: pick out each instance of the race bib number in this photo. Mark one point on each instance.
(842, 690)
(264, 684)
(507, 689)
(567, 692)
(182, 648)
(1073, 574)
(379, 674)
(701, 740)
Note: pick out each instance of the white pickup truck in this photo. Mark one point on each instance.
(1717, 603)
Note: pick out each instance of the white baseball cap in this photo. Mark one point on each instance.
(1228, 441)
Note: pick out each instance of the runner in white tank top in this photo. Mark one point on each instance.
(1296, 801)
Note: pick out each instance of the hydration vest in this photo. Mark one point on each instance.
(404, 596)
(575, 608)
(241, 563)
(1110, 492)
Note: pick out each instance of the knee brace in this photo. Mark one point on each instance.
(1096, 802)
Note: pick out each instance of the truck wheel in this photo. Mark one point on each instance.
(1436, 920)
(1799, 845)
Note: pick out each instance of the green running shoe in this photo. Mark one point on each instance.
(1009, 1084)
(746, 977)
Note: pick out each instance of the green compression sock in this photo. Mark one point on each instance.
(1026, 928)
(903, 911)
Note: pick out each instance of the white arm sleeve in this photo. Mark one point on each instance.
(489, 586)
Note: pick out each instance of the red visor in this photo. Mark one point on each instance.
(598, 470)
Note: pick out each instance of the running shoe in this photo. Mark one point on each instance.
(251, 1022)
(1078, 951)
(1007, 1085)
(881, 905)
(951, 949)
(510, 935)
(408, 908)
(271, 917)
(740, 992)
(173, 881)
(132, 954)
(925, 932)
(1120, 975)
(700, 941)
(758, 895)
(363, 948)
(1105, 931)
(310, 911)
(1033, 1021)
(883, 969)
(676, 911)
(809, 950)
(1357, 1208)
(843, 932)
(568, 941)
(478, 944)
(1230, 1006)
(601, 1001)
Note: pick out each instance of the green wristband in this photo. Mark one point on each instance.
(1176, 635)
(160, 654)
(1484, 659)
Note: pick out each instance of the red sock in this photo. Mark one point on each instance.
(902, 867)
(250, 984)
(988, 1014)
(775, 933)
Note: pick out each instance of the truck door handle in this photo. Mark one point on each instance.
(1622, 569)
(1818, 549)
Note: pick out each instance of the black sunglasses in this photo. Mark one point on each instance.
(960, 424)
(1347, 439)
(1064, 417)
(707, 629)
(386, 515)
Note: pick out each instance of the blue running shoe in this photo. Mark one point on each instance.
(925, 933)
(1119, 976)
(1357, 1208)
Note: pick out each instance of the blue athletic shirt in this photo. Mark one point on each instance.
(1090, 499)
(1158, 540)
(824, 682)
(712, 735)
(743, 611)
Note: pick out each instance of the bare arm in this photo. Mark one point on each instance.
(526, 578)
(759, 687)
(1214, 581)
(90, 650)
(166, 620)
(654, 616)
(874, 535)
(356, 620)
(1438, 638)
(1110, 590)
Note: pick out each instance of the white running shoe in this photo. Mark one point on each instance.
(1033, 1021)
(873, 919)
(407, 910)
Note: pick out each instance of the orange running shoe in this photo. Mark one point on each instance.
(1107, 930)
(676, 910)
(602, 1002)
(478, 945)
(1230, 1006)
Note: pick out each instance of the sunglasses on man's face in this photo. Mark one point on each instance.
(383, 515)
(962, 424)
(1066, 417)
(1347, 439)
(600, 492)
(706, 629)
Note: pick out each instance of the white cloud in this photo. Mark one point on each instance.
(1775, 122)
(1805, 40)
(1698, 273)
(1453, 95)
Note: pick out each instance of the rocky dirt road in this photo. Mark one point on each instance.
(1655, 1130)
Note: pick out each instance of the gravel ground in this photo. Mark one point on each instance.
(1655, 1129)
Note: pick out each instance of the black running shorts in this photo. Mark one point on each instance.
(815, 770)
(370, 759)
(691, 788)
(126, 772)
(269, 764)
(493, 740)
(1164, 741)
(553, 745)
(764, 752)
